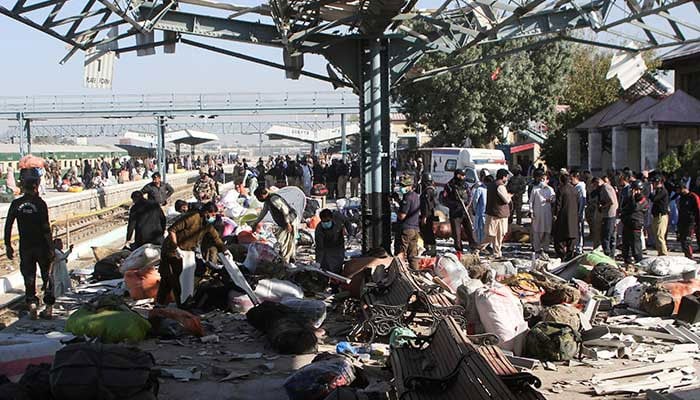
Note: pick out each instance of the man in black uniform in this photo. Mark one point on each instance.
(455, 198)
(427, 214)
(517, 185)
(688, 217)
(632, 213)
(35, 244)
(158, 190)
(147, 220)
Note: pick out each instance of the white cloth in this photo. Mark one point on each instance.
(189, 264)
(59, 273)
(541, 200)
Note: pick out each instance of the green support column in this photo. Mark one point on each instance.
(160, 150)
(374, 152)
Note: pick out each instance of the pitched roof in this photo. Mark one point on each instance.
(633, 109)
(680, 53)
(601, 116)
(679, 108)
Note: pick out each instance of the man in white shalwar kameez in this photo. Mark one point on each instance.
(541, 200)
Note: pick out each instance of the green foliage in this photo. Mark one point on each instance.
(468, 103)
(586, 92)
(690, 157)
(669, 163)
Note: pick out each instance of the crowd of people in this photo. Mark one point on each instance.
(622, 210)
(626, 208)
(341, 178)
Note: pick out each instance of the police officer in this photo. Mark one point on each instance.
(408, 216)
(427, 214)
(455, 198)
(35, 244)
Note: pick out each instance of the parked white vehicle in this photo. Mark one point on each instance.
(441, 162)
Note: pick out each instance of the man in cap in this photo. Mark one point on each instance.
(455, 197)
(632, 213)
(157, 190)
(186, 234)
(205, 188)
(427, 214)
(409, 217)
(35, 244)
(517, 185)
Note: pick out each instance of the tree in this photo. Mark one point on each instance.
(669, 164)
(586, 92)
(477, 102)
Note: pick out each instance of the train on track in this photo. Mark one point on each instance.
(66, 155)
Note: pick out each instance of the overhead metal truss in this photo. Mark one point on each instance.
(333, 28)
(370, 45)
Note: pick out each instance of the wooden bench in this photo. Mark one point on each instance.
(445, 365)
(396, 299)
(519, 382)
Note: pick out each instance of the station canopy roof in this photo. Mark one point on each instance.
(189, 136)
(183, 136)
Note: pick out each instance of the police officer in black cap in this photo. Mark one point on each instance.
(35, 244)
(427, 214)
(455, 197)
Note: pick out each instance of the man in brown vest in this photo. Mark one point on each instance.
(497, 212)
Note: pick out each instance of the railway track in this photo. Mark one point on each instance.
(75, 229)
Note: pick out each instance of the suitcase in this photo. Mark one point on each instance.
(689, 310)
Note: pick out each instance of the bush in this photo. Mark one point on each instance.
(669, 163)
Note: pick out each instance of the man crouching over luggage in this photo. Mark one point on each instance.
(184, 234)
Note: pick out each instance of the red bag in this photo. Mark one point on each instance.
(319, 189)
(190, 322)
(314, 221)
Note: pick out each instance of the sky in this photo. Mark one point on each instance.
(30, 66)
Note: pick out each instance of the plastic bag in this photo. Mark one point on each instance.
(633, 295)
(189, 264)
(465, 297)
(667, 265)
(620, 288)
(145, 256)
(239, 302)
(596, 257)
(316, 380)
(276, 290)
(451, 271)
(501, 313)
(503, 269)
(259, 252)
(313, 311)
(229, 227)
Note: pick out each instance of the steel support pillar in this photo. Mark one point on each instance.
(20, 122)
(160, 150)
(28, 134)
(374, 150)
(343, 138)
(177, 153)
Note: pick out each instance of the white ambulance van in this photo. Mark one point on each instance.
(441, 163)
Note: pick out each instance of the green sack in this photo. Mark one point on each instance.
(552, 341)
(111, 326)
(596, 257)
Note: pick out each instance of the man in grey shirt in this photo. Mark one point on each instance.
(608, 208)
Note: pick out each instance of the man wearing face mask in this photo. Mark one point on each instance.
(330, 242)
(455, 198)
(633, 212)
(409, 216)
(185, 233)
